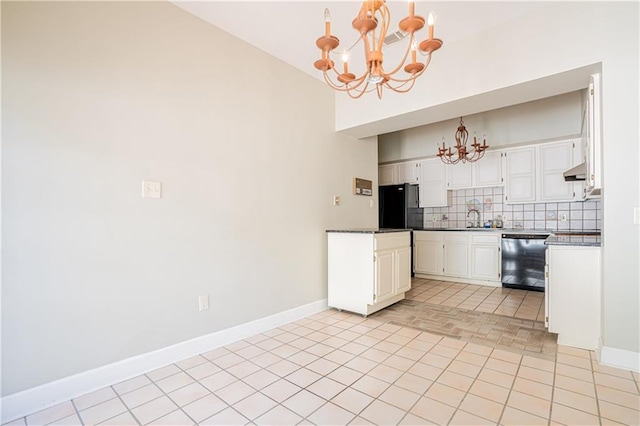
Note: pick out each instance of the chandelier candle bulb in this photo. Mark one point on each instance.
(430, 20)
(327, 23)
(345, 61)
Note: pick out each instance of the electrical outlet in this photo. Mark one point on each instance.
(435, 218)
(203, 302)
(336, 200)
(563, 217)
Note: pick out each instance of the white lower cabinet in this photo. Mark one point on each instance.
(427, 253)
(368, 271)
(472, 257)
(486, 257)
(456, 254)
(573, 293)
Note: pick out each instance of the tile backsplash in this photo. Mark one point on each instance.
(580, 216)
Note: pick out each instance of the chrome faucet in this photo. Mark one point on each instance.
(477, 217)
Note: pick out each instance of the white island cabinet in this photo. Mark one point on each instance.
(573, 294)
(368, 269)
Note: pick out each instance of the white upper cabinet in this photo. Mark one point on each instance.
(460, 175)
(409, 172)
(520, 175)
(592, 138)
(555, 159)
(387, 174)
(487, 171)
(535, 173)
(433, 184)
(398, 173)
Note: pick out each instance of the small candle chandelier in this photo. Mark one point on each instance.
(449, 156)
(372, 23)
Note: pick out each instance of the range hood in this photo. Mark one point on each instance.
(579, 172)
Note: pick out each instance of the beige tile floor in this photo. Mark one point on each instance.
(336, 368)
(497, 300)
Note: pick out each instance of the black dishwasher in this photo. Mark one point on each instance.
(523, 259)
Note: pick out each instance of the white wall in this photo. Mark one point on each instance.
(545, 53)
(550, 118)
(98, 96)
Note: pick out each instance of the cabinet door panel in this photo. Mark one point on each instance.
(433, 184)
(403, 270)
(428, 257)
(520, 175)
(456, 259)
(592, 136)
(388, 175)
(384, 287)
(574, 288)
(488, 170)
(460, 175)
(485, 262)
(555, 159)
(408, 172)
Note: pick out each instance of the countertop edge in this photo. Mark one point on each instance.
(366, 231)
(574, 241)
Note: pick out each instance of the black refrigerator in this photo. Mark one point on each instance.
(399, 207)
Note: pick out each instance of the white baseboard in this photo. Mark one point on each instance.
(44, 396)
(459, 280)
(619, 358)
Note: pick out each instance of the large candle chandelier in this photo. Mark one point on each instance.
(372, 24)
(461, 153)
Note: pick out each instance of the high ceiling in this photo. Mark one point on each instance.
(288, 29)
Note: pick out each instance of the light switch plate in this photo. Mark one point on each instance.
(203, 302)
(336, 200)
(636, 215)
(151, 189)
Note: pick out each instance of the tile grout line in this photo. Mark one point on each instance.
(429, 387)
(75, 408)
(553, 389)
(125, 405)
(466, 393)
(163, 394)
(595, 389)
(506, 401)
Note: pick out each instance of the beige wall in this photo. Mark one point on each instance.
(550, 118)
(98, 97)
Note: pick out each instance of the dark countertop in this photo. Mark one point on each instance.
(576, 239)
(368, 230)
(501, 230)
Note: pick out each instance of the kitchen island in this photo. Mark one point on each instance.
(573, 287)
(368, 269)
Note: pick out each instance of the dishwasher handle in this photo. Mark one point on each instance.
(526, 236)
